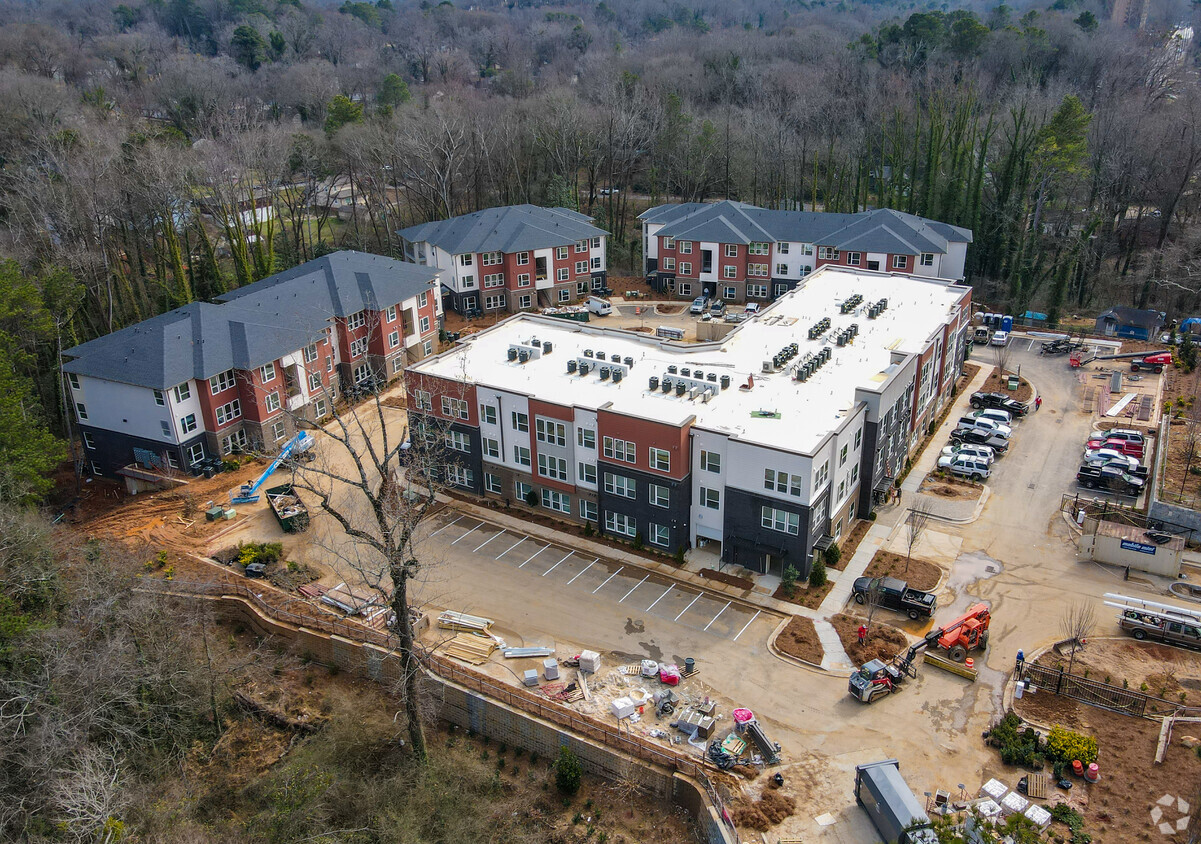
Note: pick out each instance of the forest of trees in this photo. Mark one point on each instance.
(133, 136)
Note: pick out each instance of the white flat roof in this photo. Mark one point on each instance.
(803, 412)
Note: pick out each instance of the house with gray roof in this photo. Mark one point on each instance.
(742, 253)
(514, 258)
(208, 379)
(1132, 323)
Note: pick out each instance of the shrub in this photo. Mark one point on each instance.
(680, 555)
(832, 555)
(260, 552)
(817, 575)
(588, 529)
(1018, 747)
(788, 581)
(871, 517)
(531, 498)
(567, 771)
(638, 541)
(1067, 745)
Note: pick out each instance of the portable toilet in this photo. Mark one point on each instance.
(1007, 323)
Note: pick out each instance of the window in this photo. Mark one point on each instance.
(356, 320)
(781, 269)
(525, 302)
(581, 267)
(587, 473)
(710, 498)
(759, 249)
(272, 402)
(183, 391)
(466, 260)
(454, 408)
(842, 455)
(491, 448)
(782, 248)
(423, 300)
(585, 438)
(710, 461)
(166, 427)
(329, 364)
(620, 523)
(492, 483)
(468, 283)
(548, 431)
(660, 496)
(390, 314)
(616, 449)
(493, 303)
(267, 372)
(660, 459)
(234, 442)
(660, 535)
(927, 259)
(668, 263)
(555, 500)
(521, 422)
(458, 441)
(187, 423)
(561, 253)
(729, 292)
(756, 291)
(393, 339)
(159, 398)
(782, 482)
(620, 485)
(195, 452)
(858, 437)
(854, 472)
(853, 259)
(596, 242)
(457, 475)
(523, 258)
(669, 243)
(685, 247)
(588, 510)
(731, 250)
(685, 268)
(581, 288)
(491, 259)
(564, 295)
(319, 409)
(279, 430)
(424, 401)
(228, 412)
(427, 349)
(552, 467)
(425, 324)
(596, 263)
(522, 489)
(222, 382)
(494, 280)
(827, 253)
(523, 280)
(521, 455)
(759, 270)
(780, 520)
(563, 274)
(819, 478)
(358, 348)
(730, 271)
(685, 289)
(73, 379)
(88, 442)
(900, 262)
(842, 488)
(314, 382)
(807, 249)
(488, 413)
(581, 246)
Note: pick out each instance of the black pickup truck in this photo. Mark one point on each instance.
(1109, 478)
(1000, 401)
(895, 595)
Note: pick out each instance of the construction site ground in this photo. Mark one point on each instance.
(1018, 556)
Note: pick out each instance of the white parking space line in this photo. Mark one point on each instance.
(511, 547)
(660, 598)
(687, 608)
(486, 541)
(748, 624)
(535, 554)
(631, 592)
(607, 579)
(556, 565)
(719, 612)
(444, 527)
(464, 536)
(1031, 346)
(590, 565)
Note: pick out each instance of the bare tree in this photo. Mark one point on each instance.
(1076, 624)
(1000, 357)
(872, 599)
(1190, 445)
(915, 525)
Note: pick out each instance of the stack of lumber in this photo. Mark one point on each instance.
(469, 648)
(463, 623)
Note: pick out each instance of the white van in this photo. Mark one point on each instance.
(599, 306)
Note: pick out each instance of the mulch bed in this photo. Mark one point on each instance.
(922, 574)
(771, 808)
(728, 579)
(945, 485)
(799, 639)
(996, 384)
(883, 640)
(851, 544)
(805, 595)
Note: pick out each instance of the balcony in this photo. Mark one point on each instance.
(295, 402)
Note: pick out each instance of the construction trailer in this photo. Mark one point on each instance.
(889, 802)
(1135, 548)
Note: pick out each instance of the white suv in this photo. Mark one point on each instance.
(973, 452)
(988, 426)
(969, 467)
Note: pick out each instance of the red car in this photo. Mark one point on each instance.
(1128, 447)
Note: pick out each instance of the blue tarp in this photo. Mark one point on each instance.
(1035, 315)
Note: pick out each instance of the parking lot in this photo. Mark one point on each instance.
(592, 578)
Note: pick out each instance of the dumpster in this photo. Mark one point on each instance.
(289, 510)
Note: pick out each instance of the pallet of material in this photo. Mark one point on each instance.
(474, 650)
(461, 622)
(949, 665)
(1037, 785)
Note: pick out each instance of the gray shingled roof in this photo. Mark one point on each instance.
(1134, 316)
(881, 230)
(512, 228)
(250, 326)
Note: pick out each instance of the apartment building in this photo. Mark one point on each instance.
(511, 259)
(209, 379)
(743, 253)
(762, 447)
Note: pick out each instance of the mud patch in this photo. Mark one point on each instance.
(633, 626)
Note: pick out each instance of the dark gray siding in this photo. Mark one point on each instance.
(639, 508)
(113, 450)
(747, 542)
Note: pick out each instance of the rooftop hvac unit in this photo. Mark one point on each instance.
(705, 396)
(653, 381)
(600, 355)
(681, 388)
(615, 358)
(685, 371)
(694, 392)
(536, 342)
(667, 385)
(604, 373)
(571, 365)
(767, 366)
(523, 356)
(725, 382)
(712, 376)
(547, 348)
(585, 368)
(629, 362)
(698, 375)
(587, 353)
(512, 353)
(617, 375)
(672, 369)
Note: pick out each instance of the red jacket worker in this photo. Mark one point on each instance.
(862, 633)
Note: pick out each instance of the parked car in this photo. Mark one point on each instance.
(1174, 628)
(980, 334)
(599, 306)
(999, 338)
(896, 595)
(1110, 478)
(752, 308)
(970, 436)
(1000, 401)
(987, 425)
(1154, 363)
(1110, 455)
(699, 305)
(717, 308)
(1121, 434)
(976, 452)
(609, 191)
(1001, 417)
(969, 467)
(1127, 447)
(1137, 471)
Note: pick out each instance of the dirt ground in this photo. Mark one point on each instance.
(883, 641)
(950, 487)
(995, 384)
(920, 574)
(1181, 479)
(1178, 383)
(1167, 672)
(1118, 809)
(805, 595)
(851, 544)
(799, 639)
